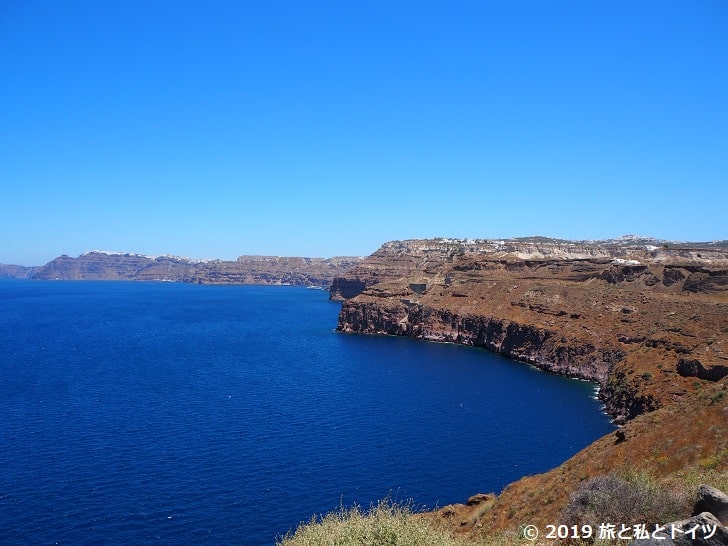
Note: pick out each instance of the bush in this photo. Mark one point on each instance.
(385, 524)
(625, 500)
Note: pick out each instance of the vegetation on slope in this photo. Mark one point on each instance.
(384, 524)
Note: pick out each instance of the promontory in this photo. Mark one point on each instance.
(645, 319)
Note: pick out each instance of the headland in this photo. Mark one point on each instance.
(128, 266)
(645, 319)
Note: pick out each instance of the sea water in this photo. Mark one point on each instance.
(161, 413)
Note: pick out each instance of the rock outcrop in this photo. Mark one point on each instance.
(714, 501)
(708, 526)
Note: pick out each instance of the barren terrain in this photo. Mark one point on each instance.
(647, 320)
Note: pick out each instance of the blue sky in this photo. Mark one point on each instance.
(215, 129)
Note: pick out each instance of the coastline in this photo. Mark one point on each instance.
(649, 326)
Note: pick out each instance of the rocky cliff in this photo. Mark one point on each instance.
(641, 319)
(100, 265)
(8, 271)
(646, 319)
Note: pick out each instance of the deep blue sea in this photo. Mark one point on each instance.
(161, 413)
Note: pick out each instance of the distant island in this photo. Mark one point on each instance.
(127, 266)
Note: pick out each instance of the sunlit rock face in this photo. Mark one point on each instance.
(627, 313)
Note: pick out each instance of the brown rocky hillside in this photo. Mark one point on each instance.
(647, 320)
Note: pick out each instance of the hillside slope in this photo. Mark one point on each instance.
(647, 320)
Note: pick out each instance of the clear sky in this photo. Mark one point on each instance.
(214, 129)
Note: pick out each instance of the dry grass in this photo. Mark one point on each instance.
(384, 524)
(387, 524)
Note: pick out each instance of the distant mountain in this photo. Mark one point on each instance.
(8, 271)
(127, 266)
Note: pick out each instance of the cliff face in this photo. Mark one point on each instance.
(97, 265)
(523, 342)
(8, 271)
(646, 319)
(642, 320)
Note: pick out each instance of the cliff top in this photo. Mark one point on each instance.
(537, 247)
